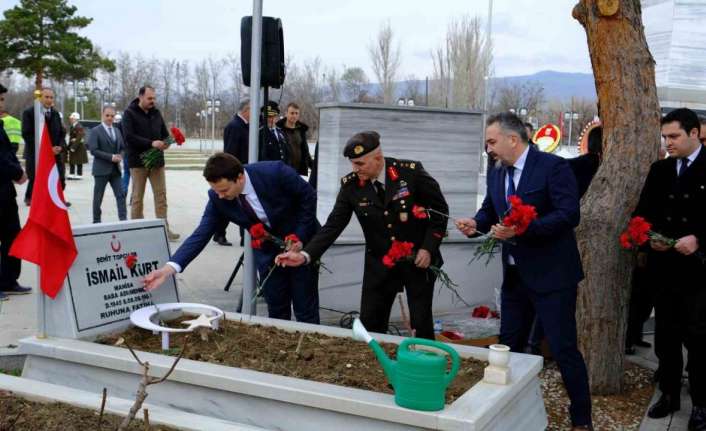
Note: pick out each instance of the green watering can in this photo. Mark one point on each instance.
(418, 376)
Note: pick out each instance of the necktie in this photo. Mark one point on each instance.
(247, 209)
(380, 190)
(112, 133)
(510, 182)
(684, 165)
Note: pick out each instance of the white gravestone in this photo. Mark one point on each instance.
(100, 290)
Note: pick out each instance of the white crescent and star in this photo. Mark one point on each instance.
(53, 186)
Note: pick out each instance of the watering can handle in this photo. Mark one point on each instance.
(455, 359)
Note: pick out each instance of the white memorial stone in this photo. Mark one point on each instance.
(100, 291)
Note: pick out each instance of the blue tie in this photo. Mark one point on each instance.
(684, 165)
(510, 183)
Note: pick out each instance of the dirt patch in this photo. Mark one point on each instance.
(339, 361)
(610, 412)
(18, 414)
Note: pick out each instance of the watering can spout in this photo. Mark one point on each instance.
(388, 365)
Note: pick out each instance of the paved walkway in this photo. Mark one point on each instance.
(203, 281)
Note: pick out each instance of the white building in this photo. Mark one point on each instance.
(676, 35)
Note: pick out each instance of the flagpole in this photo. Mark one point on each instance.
(41, 298)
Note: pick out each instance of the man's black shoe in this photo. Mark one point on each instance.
(221, 240)
(665, 406)
(17, 289)
(642, 343)
(697, 421)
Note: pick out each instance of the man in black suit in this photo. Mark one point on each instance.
(105, 142)
(10, 174)
(381, 191)
(673, 200)
(235, 142)
(57, 133)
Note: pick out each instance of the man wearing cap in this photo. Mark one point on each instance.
(381, 192)
(77, 147)
(273, 143)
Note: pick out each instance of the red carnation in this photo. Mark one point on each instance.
(388, 261)
(178, 135)
(419, 212)
(480, 312)
(257, 231)
(292, 237)
(131, 261)
(256, 243)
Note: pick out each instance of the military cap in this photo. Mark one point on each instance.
(361, 144)
(271, 109)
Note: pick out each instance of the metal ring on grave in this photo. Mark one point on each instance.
(146, 317)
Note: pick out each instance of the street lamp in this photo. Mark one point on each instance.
(570, 117)
(213, 106)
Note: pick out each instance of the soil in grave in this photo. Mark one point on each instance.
(321, 358)
(18, 414)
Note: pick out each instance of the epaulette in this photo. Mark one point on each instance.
(407, 164)
(349, 178)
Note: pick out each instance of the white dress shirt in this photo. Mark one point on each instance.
(517, 174)
(110, 131)
(254, 201)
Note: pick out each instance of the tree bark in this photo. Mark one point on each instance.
(623, 70)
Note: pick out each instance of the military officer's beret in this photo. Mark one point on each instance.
(361, 144)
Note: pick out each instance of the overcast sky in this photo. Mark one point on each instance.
(528, 37)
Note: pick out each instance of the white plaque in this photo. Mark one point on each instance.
(101, 289)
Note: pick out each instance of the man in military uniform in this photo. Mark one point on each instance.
(673, 200)
(381, 192)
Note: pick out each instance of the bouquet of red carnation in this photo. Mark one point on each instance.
(519, 216)
(149, 158)
(403, 251)
(639, 231)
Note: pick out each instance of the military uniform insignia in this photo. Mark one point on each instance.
(412, 165)
(392, 173)
(403, 192)
(358, 149)
(403, 183)
(404, 217)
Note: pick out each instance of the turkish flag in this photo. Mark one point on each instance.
(46, 239)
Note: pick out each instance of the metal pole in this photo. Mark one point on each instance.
(75, 96)
(41, 298)
(486, 80)
(213, 122)
(255, 49)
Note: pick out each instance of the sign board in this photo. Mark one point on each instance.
(547, 138)
(101, 290)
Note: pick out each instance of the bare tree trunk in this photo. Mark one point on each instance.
(623, 69)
